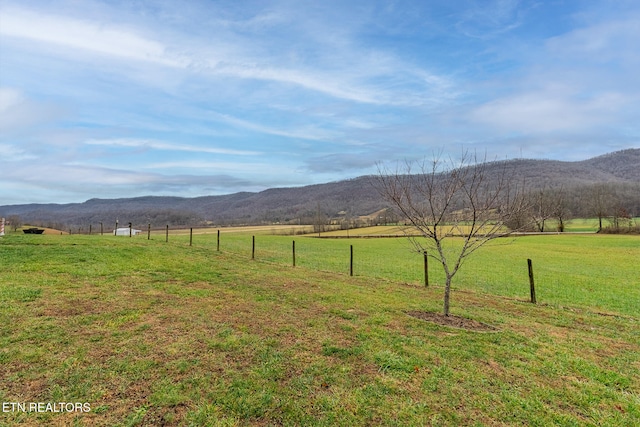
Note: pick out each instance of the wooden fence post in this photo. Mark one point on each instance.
(426, 269)
(218, 240)
(190, 236)
(351, 261)
(253, 247)
(101, 229)
(89, 229)
(149, 231)
(167, 238)
(130, 229)
(531, 283)
(293, 248)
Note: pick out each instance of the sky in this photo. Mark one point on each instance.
(125, 98)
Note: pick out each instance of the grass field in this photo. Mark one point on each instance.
(155, 333)
(592, 271)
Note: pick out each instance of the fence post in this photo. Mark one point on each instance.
(130, 227)
(531, 284)
(218, 240)
(293, 248)
(426, 269)
(149, 231)
(167, 239)
(115, 232)
(351, 261)
(190, 236)
(89, 229)
(101, 228)
(253, 247)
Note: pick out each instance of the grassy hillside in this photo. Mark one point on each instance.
(150, 333)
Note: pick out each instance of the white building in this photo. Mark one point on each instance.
(124, 231)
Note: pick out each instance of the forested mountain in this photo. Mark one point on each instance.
(616, 175)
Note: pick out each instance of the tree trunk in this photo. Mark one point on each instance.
(447, 291)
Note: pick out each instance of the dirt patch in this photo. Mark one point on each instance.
(73, 307)
(452, 321)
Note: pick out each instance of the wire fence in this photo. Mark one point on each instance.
(389, 258)
(585, 270)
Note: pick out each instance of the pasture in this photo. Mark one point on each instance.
(149, 332)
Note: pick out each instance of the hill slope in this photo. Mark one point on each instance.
(352, 197)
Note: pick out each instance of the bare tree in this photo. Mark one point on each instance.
(15, 221)
(620, 218)
(600, 201)
(561, 211)
(469, 199)
(543, 207)
(320, 220)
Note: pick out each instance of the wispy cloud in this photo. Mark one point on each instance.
(490, 18)
(11, 153)
(607, 41)
(549, 111)
(18, 112)
(116, 182)
(165, 146)
(310, 133)
(88, 35)
(203, 166)
(360, 83)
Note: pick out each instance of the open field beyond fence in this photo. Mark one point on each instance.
(584, 270)
(148, 332)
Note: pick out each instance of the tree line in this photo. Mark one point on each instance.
(551, 205)
(614, 205)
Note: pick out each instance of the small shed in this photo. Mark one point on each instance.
(124, 231)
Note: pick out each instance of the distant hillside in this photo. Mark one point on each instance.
(349, 198)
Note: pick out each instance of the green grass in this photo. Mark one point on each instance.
(151, 333)
(590, 271)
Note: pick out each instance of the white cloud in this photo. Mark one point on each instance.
(159, 145)
(52, 175)
(309, 133)
(548, 111)
(19, 113)
(579, 82)
(9, 99)
(236, 57)
(234, 167)
(489, 18)
(604, 41)
(11, 153)
(88, 35)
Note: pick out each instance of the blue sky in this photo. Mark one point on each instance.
(126, 98)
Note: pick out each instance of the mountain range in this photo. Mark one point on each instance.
(351, 198)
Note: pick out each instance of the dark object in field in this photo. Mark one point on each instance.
(33, 231)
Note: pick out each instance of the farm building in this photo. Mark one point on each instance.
(124, 231)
